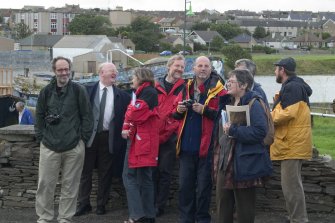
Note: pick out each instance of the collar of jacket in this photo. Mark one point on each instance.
(141, 87)
(212, 85)
(159, 84)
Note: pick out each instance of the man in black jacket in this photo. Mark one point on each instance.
(106, 148)
(63, 126)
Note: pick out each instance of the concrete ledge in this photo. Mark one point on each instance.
(17, 133)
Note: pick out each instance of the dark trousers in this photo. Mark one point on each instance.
(195, 187)
(97, 156)
(163, 173)
(244, 200)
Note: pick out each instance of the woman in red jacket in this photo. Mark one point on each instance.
(141, 128)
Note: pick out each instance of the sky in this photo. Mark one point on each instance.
(178, 5)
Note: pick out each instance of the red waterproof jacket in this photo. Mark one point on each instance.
(166, 106)
(142, 122)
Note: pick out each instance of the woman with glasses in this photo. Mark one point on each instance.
(241, 160)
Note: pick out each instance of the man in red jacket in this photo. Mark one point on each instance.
(168, 88)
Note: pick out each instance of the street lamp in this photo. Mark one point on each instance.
(186, 13)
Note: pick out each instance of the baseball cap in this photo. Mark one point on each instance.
(288, 63)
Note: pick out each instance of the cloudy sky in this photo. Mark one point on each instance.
(177, 5)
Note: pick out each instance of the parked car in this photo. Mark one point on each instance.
(185, 52)
(166, 53)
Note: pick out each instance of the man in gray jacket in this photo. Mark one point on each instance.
(64, 123)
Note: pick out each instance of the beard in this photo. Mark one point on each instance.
(279, 79)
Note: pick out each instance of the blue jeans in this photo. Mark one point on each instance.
(139, 187)
(195, 188)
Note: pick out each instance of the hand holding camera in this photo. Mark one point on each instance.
(52, 119)
(189, 104)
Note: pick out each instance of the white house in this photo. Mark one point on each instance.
(75, 45)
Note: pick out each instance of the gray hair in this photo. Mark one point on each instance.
(243, 76)
(103, 64)
(20, 104)
(247, 64)
(54, 61)
(174, 58)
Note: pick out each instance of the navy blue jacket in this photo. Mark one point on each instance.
(251, 158)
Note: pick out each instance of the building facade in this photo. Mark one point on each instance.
(55, 23)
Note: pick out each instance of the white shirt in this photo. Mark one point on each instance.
(20, 115)
(109, 104)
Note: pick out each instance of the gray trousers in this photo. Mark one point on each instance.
(139, 186)
(293, 190)
(70, 163)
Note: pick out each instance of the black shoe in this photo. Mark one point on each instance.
(159, 212)
(101, 210)
(81, 210)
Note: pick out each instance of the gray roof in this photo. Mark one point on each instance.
(276, 38)
(115, 39)
(242, 38)
(207, 36)
(80, 41)
(301, 16)
(308, 37)
(330, 39)
(241, 13)
(269, 23)
(40, 40)
(166, 20)
(327, 15)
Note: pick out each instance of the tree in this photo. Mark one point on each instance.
(233, 53)
(227, 30)
(217, 43)
(325, 35)
(145, 34)
(21, 31)
(201, 26)
(259, 32)
(89, 24)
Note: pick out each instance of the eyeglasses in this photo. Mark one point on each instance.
(231, 82)
(62, 70)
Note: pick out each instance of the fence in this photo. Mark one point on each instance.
(6, 81)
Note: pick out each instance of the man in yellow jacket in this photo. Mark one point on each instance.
(293, 135)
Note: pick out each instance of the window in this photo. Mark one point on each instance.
(35, 25)
(53, 25)
(53, 15)
(35, 15)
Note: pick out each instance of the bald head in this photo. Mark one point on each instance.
(107, 74)
(202, 69)
(19, 106)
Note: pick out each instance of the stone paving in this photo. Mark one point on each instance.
(27, 215)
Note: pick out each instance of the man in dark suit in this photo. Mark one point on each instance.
(106, 148)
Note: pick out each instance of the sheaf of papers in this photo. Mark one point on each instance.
(239, 115)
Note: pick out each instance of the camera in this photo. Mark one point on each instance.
(52, 119)
(188, 103)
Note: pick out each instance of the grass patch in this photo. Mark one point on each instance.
(323, 135)
(307, 64)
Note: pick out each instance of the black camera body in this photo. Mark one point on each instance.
(188, 103)
(52, 119)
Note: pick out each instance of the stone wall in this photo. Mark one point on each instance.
(19, 155)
